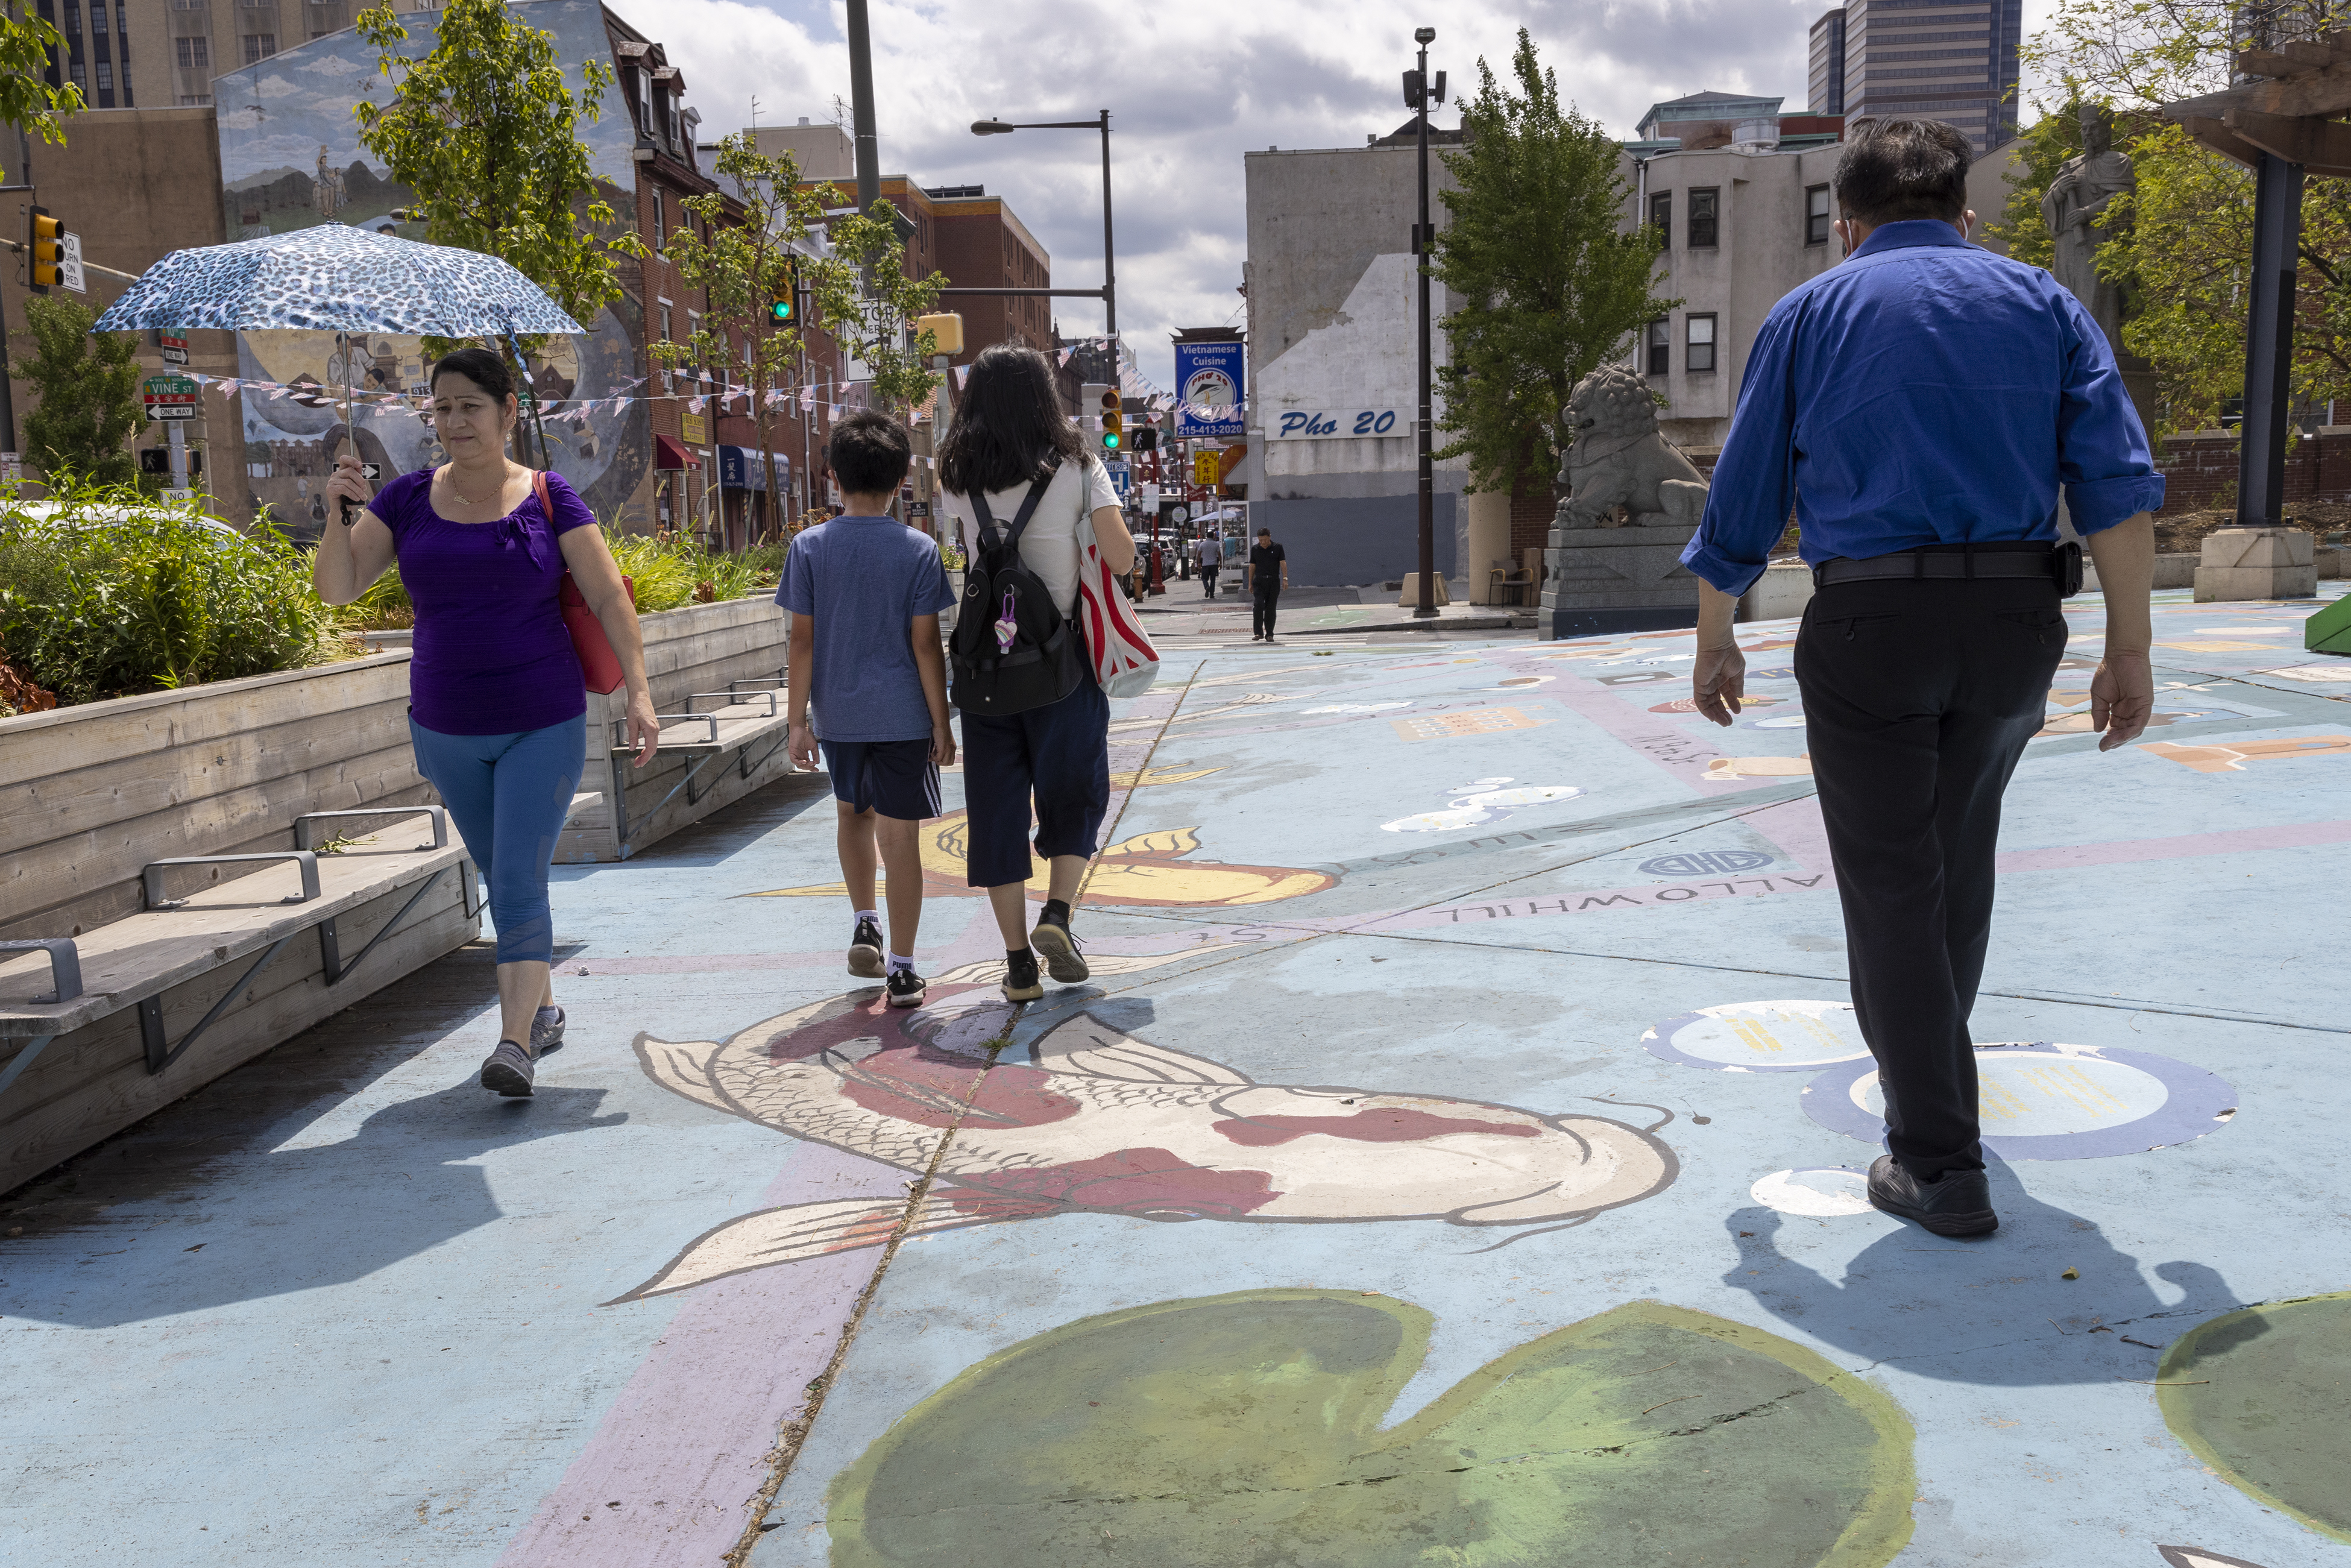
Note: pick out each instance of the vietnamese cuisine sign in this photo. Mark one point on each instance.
(1208, 395)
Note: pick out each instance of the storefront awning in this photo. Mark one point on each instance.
(746, 468)
(668, 453)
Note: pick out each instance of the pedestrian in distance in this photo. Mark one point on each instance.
(1025, 498)
(1268, 574)
(865, 592)
(1919, 406)
(497, 703)
(1210, 555)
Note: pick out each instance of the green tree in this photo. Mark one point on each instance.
(2179, 246)
(484, 131)
(87, 386)
(745, 252)
(1549, 278)
(868, 305)
(27, 99)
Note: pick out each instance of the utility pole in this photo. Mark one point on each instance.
(1110, 277)
(1416, 95)
(861, 108)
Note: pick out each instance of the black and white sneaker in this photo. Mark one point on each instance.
(1020, 981)
(867, 956)
(1052, 941)
(905, 988)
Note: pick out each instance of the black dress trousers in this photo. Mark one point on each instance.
(1919, 698)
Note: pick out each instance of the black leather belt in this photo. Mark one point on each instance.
(2032, 560)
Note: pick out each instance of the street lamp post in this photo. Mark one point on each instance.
(1417, 92)
(1108, 292)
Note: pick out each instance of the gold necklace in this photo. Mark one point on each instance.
(450, 476)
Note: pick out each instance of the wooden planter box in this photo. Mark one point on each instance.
(88, 795)
(700, 648)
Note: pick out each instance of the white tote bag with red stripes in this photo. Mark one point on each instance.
(1126, 664)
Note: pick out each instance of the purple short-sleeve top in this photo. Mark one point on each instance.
(492, 653)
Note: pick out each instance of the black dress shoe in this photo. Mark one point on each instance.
(1958, 1205)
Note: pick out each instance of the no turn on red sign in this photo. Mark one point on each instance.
(170, 397)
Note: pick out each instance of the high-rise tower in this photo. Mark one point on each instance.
(1952, 60)
(1828, 63)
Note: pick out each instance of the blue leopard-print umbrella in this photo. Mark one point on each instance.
(335, 279)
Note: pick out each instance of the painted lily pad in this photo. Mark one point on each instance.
(1246, 1428)
(2263, 1396)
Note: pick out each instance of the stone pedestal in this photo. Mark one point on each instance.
(2256, 563)
(1618, 580)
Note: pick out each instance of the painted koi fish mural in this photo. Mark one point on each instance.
(1096, 1121)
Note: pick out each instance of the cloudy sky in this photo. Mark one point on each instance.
(1190, 87)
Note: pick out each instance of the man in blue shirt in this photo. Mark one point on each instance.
(1918, 406)
(865, 592)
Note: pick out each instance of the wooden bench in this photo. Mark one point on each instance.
(189, 878)
(717, 678)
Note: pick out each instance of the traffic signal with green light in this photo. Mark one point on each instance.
(1113, 420)
(45, 241)
(783, 308)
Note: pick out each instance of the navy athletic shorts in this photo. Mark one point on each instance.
(895, 778)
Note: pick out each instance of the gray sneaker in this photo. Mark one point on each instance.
(508, 1071)
(546, 1031)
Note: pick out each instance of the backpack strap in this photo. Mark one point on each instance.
(539, 488)
(1011, 539)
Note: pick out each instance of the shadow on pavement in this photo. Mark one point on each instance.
(1996, 1311)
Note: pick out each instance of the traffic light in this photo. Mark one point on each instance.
(1146, 438)
(784, 306)
(46, 240)
(1114, 419)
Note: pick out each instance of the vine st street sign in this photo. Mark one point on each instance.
(170, 397)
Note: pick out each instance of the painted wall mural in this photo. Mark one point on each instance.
(1098, 1121)
(290, 157)
(1247, 1429)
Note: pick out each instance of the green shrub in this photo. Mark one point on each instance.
(106, 593)
(667, 573)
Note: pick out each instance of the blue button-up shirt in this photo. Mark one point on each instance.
(1923, 391)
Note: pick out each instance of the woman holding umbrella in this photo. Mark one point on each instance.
(497, 710)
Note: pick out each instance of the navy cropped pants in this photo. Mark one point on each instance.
(1060, 754)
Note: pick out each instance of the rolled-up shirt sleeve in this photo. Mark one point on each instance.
(2103, 457)
(1754, 484)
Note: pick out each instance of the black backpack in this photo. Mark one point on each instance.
(1012, 649)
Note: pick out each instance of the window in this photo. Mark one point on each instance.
(188, 5)
(195, 99)
(78, 74)
(259, 46)
(1705, 207)
(105, 76)
(73, 18)
(1661, 347)
(97, 20)
(1816, 215)
(1698, 351)
(195, 54)
(1661, 217)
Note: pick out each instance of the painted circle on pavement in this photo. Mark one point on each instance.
(1821, 1192)
(1761, 1037)
(2040, 1101)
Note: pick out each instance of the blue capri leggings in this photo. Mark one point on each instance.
(509, 794)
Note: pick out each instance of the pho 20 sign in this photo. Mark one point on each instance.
(1355, 424)
(1208, 392)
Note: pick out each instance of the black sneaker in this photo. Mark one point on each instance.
(905, 988)
(1958, 1205)
(1051, 938)
(1020, 983)
(508, 1071)
(867, 956)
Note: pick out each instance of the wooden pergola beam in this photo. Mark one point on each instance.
(2320, 146)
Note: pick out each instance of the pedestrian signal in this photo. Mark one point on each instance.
(45, 240)
(1114, 419)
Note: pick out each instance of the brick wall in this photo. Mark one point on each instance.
(2200, 469)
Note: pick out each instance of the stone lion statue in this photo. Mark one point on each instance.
(1618, 470)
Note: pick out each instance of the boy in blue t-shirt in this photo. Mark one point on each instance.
(865, 592)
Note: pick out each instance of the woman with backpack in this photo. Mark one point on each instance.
(1025, 499)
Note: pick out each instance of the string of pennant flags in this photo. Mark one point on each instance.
(317, 394)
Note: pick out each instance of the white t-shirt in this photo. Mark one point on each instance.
(1049, 545)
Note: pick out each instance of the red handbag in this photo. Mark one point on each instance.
(600, 667)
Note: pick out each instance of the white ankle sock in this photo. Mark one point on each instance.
(896, 963)
(872, 914)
